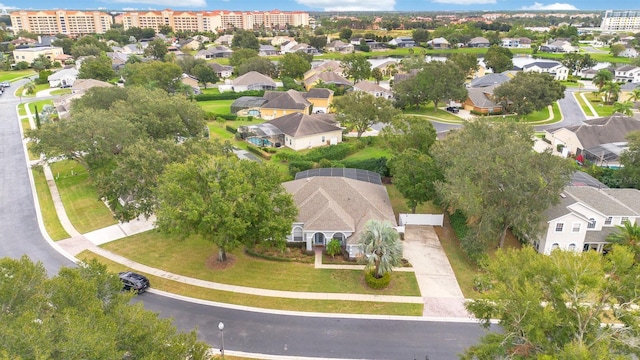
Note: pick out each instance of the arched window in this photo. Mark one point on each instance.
(554, 246)
(592, 224)
(340, 236)
(572, 247)
(297, 234)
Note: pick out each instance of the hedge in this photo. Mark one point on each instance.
(258, 152)
(267, 257)
(376, 283)
(377, 165)
(228, 95)
(333, 152)
(459, 224)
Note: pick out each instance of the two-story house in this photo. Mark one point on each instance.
(553, 68)
(627, 73)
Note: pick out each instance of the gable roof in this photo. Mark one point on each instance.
(481, 97)
(61, 74)
(299, 125)
(254, 77)
(542, 64)
(328, 77)
(290, 99)
(606, 201)
(479, 40)
(339, 203)
(319, 93)
(604, 130)
(370, 87)
(489, 80)
(86, 84)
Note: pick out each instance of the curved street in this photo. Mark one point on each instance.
(250, 331)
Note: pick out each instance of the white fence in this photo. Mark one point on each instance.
(421, 219)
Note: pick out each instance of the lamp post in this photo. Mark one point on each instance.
(221, 327)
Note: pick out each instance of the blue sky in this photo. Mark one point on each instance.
(326, 5)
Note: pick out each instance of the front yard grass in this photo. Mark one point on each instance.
(222, 107)
(599, 106)
(15, 74)
(324, 306)
(47, 208)
(192, 257)
(85, 210)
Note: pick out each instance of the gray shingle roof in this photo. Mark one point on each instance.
(606, 201)
(480, 97)
(488, 80)
(337, 203)
(291, 99)
(252, 78)
(327, 77)
(370, 87)
(542, 64)
(319, 93)
(298, 125)
(604, 130)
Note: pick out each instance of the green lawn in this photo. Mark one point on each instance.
(190, 257)
(38, 88)
(210, 90)
(583, 104)
(399, 203)
(222, 107)
(427, 110)
(40, 104)
(370, 152)
(15, 74)
(48, 210)
(61, 92)
(324, 306)
(599, 106)
(85, 210)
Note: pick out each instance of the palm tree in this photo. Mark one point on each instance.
(623, 108)
(381, 245)
(611, 90)
(601, 78)
(30, 87)
(627, 235)
(635, 94)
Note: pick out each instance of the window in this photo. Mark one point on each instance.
(559, 227)
(608, 220)
(323, 139)
(572, 247)
(575, 228)
(554, 246)
(623, 220)
(592, 224)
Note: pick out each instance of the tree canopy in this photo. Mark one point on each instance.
(528, 92)
(153, 74)
(630, 159)
(492, 175)
(436, 82)
(243, 39)
(356, 67)
(294, 65)
(498, 58)
(380, 243)
(561, 306)
(226, 201)
(81, 313)
(360, 110)
(98, 68)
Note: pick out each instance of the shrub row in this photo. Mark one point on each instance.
(230, 129)
(210, 116)
(377, 283)
(258, 152)
(459, 224)
(377, 165)
(334, 152)
(229, 95)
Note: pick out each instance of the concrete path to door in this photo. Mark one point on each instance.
(437, 282)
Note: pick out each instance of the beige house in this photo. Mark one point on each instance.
(374, 89)
(321, 99)
(598, 140)
(336, 203)
(280, 103)
(30, 54)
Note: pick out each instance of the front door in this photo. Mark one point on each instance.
(318, 239)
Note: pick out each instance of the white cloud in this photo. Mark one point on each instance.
(465, 2)
(350, 5)
(554, 6)
(166, 3)
(3, 6)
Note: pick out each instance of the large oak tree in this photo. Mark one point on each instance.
(528, 92)
(360, 110)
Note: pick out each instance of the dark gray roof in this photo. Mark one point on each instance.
(542, 64)
(253, 78)
(627, 68)
(605, 201)
(297, 124)
(319, 93)
(481, 97)
(357, 174)
(290, 99)
(629, 197)
(581, 178)
(599, 236)
(560, 209)
(488, 80)
(629, 86)
(604, 130)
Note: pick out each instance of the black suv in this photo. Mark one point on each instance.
(452, 109)
(134, 282)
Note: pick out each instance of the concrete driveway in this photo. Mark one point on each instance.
(438, 285)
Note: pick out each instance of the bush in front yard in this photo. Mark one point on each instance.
(377, 283)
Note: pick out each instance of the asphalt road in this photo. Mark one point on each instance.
(246, 331)
(571, 112)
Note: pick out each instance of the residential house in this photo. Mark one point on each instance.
(267, 50)
(599, 140)
(339, 46)
(629, 52)
(480, 100)
(190, 44)
(287, 46)
(438, 43)
(326, 77)
(305, 48)
(402, 42)
(63, 78)
(118, 59)
(321, 100)
(585, 217)
(223, 71)
(279, 40)
(627, 73)
(214, 52)
(517, 43)
(553, 68)
(373, 89)
(388, 68)
(23, 41)
(562, 46)
(192, 82)
(253, 80)
(478, 42)
(136, 48)
(280, 103)
(225, 40)
(489, 80)
(64, 59)
(63, 103)
(296, 130)
(336, 204)
(247, 106)
(32, 53)
(327, 66)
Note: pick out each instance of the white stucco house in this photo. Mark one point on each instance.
(63, 78)
(336, 203)
(553, 68)
(627, 74)
(373, 89)
(585, 217)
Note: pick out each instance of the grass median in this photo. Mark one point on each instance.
(47, 208)
(325, 306)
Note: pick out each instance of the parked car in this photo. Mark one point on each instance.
(134, 282)
(452, 109)
(5, 84)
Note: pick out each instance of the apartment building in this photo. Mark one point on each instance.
(621, 20)
(212, 20)
(51, 22)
